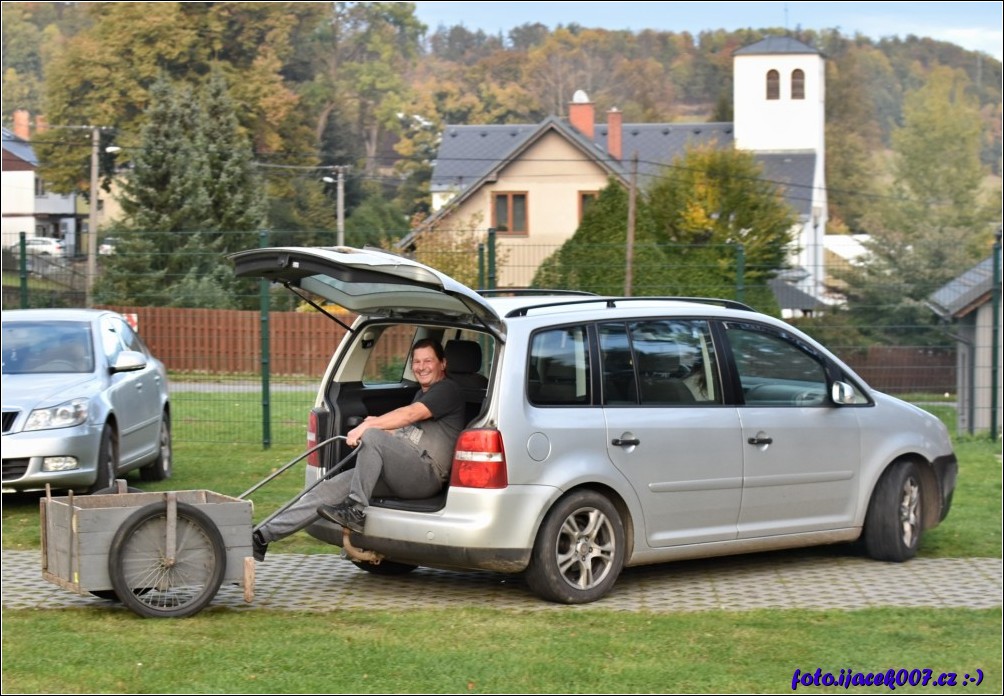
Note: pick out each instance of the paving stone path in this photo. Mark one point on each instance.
(807, 579)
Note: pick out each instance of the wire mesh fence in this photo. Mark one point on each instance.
(206, 325)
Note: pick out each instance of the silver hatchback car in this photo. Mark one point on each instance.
(84, 401)
(608, 432)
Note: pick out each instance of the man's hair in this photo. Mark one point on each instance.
(436, 346)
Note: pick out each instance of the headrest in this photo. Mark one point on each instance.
(463, 356)
(658, 362)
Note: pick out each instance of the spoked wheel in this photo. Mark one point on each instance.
(152, 580)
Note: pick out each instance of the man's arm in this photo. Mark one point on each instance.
(392, 420)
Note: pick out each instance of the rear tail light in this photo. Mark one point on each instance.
(479, 460)
(314, 458)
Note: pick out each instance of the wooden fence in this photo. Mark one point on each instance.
(218, 341)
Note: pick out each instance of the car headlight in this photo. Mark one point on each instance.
(65, 415)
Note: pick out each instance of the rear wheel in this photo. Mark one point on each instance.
(895, 515)
(579, 552)
(108, 462)
(162, 467)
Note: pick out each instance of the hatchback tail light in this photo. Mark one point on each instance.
(479, 460)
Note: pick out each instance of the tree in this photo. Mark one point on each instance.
(689, 225)
(192, 196)
(933, 223)
(706, 204)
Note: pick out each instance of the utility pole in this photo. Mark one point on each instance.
(341, 205)
(339, 181)
(92, 215)
(92, 218)
(629, 251)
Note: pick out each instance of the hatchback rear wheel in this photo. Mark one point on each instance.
(579, 552)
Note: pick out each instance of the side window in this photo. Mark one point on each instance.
(129, 338)
(558, 373)
(387, 355)
(774, 371)
(659, 362)
(111, 340)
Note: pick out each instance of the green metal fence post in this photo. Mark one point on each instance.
(491, 258)
(22, 263)
(740, 273)
(266, 408)
(995, 331)
(481, 264)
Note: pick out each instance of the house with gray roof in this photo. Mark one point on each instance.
(28, 206)
(970, 306)
(531, 182)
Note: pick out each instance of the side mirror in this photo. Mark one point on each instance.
(842, 393)
(129, 361)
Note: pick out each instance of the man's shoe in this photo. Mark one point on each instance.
(347, 514)
(258, 546)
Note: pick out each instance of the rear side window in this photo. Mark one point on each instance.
(659, 362)
(387, 354)
(558, 373)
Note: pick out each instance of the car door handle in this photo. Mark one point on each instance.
(760, 440)
(617, 442)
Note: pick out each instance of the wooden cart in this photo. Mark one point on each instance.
(161, 554)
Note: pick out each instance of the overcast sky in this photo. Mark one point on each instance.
(973, 25)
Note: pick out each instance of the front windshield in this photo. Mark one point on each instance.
(42, 347)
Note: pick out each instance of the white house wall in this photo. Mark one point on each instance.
(18, 205)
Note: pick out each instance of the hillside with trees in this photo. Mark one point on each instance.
(367, 86)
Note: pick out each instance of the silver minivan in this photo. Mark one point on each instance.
(612, 431)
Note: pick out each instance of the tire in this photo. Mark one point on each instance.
(108, 462)
(895, 515)
(150, 586)
(385, 568)
(162, 467)
(579, 551)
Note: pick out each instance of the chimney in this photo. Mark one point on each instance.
(22, 127)
(581, 115)
(615, 130)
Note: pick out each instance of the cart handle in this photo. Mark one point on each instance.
(286, 466)
(328, 474)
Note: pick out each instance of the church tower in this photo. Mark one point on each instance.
(779, 102)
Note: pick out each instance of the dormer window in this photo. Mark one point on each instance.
(797, 84)
(773, 84)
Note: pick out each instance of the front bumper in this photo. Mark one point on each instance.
(25, 452)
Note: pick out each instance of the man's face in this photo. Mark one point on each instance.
(427, 367)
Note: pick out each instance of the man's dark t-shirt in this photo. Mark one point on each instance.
(437, 436)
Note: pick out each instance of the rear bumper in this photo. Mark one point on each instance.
(477, 529)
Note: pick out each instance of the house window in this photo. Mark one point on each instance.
(773, 84)
(586, 199)
(39, 187)
(797, 84)
(509, 213)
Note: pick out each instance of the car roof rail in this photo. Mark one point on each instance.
(530, 292)
(612, 302)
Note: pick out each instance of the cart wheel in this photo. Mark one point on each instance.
(143, 577)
